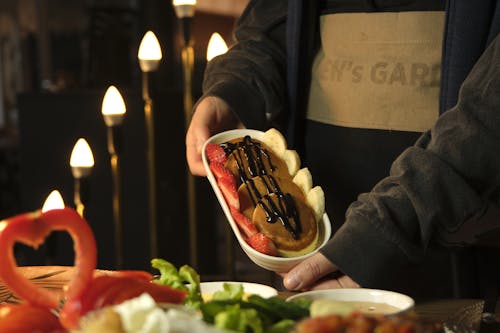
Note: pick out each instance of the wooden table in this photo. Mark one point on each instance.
(55, 277)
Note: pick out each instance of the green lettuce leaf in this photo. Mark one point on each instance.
(230, 291)
(186, 278)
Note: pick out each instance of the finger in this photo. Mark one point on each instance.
(194, 161)
(194, 157)
(343, 281)
(346, 282)
(308, 272)
(196, 136)
(327, 284)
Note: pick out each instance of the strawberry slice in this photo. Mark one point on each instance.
(220, 171)
(227, 186)
(245, 225)
(263, 244)
(215, 153)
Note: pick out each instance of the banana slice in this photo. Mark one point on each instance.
(316, 198)
(292, 160)
(303, 179)
(275, 140)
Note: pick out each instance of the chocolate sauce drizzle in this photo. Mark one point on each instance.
(260, 165)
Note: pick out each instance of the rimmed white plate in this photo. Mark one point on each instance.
(249, 288)
(275, 264)
(399, 302)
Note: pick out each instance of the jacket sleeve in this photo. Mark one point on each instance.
(437, 189)
(251, 76)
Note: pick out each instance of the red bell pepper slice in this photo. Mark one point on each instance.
(27, 318)
(32, 229)
(113, 289)
(84, 292)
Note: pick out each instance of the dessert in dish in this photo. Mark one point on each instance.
(271, 198)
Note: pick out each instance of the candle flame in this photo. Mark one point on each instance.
(81, 156)
(113, 103)
(216, 46)
(149, 49)
(184, 2)
(53, 201)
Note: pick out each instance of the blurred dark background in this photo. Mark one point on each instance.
(57, 58)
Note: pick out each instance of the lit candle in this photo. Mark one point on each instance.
(216, 46)
(149, 53)
(113, 110)
(53, 201)
(184, 2)
(81, 162)
(113, 107)
(184, 8)
(149, 56)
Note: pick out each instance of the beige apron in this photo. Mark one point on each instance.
(378, 71)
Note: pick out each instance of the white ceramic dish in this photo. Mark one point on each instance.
(275, 264)
(249, 288)
(400, 301)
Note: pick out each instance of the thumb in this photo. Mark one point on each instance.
(308, 272)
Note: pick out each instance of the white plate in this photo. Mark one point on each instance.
(400, 301)
(249, 288)
(275, 264)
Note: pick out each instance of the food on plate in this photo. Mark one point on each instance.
(124, 301)
(360, 315)
(255, 314)
(185, 279)
(323, 307)
(84, 293)
(214, 290)
(271, 199)
(143, 314)
(363, 323)
(232, 308)
(229, 309)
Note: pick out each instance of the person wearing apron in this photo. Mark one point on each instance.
(357, 85)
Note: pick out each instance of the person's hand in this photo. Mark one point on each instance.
(316, 273)
(212, 115)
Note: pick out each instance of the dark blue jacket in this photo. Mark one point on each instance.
(441, 188)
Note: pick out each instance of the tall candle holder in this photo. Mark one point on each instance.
(217, 46)
(82, 163)
(184, 9)
(149, 56)
(113, 111)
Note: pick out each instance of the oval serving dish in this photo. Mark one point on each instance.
(272, 263)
